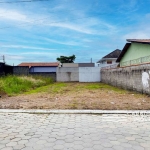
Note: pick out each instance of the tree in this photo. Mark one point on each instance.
(67, 59)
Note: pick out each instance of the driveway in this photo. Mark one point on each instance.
(24, 131)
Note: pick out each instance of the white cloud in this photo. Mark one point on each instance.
(13, 15)
(14, 57)
(63, 43)
(71, 26)
(137, 35)
(39, 53)
(25, 47)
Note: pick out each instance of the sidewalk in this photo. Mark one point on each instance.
(43, 111)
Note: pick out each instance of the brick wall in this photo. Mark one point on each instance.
(135, 78)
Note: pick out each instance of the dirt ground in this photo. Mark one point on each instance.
(78, 96)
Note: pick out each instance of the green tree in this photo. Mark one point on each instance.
(67, 59)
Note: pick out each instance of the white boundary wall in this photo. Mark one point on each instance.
(89, 74)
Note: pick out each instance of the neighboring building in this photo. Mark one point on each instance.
(109, 59)
(136, 51)
(38, 67)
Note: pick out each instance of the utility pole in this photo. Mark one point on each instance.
(3, 58)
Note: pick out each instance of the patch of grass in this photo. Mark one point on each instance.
(18, 84)
(73, 104)
(58, 87)
(95, 86)
(52, 88)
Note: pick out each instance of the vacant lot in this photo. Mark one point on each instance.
(77, 96)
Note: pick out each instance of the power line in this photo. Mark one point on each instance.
(25, 1)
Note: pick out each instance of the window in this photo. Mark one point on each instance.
(109, 61)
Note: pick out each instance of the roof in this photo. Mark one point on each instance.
(37, 64)
(146, 41)
(113, 54)
(127, 45)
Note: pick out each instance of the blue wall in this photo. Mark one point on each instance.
(42, 69)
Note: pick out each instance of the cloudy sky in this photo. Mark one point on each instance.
(42, 30)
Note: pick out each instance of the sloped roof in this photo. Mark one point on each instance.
(42, 64)
(139, 40)
(127, 45)
(113, 54)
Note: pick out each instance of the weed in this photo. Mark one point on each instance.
(103, 86)
(73, 104)
(17, 84)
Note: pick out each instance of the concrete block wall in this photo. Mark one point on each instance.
(78, 64)
(136, 78)
(51, 75)
(86, 64)
(2, 69)
(70, 65)
(67, 74)
(20, 70)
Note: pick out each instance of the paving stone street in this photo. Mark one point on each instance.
(24, 131)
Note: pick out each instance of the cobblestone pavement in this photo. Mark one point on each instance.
(23, 131)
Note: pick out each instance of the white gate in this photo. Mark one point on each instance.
(89, 74)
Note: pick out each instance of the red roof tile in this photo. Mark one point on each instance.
(43, 64)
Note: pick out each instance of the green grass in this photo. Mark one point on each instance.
(102, 86)
(52, 88)
(11, 85)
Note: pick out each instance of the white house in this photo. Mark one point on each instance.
(109, 59)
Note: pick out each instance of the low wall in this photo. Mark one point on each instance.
(45, 74)
(89, 74)
(70, 65)
(135, 78)
(2, 69)
(67, 74)
(20, 70)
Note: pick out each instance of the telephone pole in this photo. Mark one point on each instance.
(3, 58)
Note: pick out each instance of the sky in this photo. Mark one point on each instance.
(42, 30)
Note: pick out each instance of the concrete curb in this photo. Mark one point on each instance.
(47, 111)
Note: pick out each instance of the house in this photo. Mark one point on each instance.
(37, 68)
(40, 67)
(109, 59)
(135, 51)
